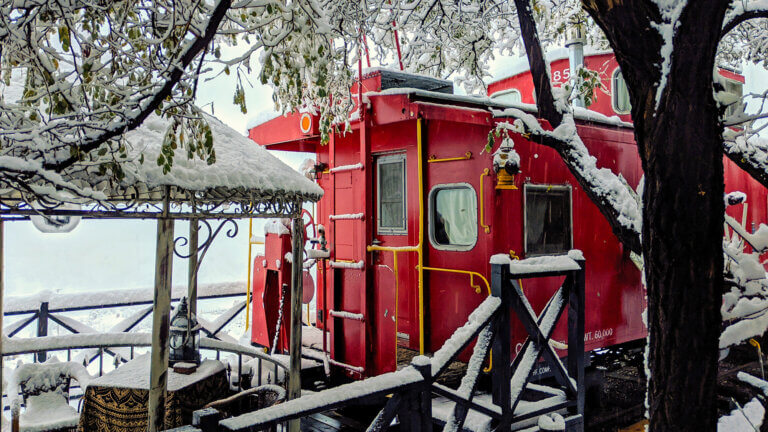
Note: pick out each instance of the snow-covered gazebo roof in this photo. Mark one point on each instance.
(245, 180)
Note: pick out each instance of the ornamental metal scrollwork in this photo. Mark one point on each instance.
(202, 249)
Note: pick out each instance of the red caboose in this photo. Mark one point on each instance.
(413, 210)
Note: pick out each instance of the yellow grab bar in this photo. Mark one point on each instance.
(248, 286)
(482, 201)
(477, 290)
(467, 272)
(395, 250)
(433, 158)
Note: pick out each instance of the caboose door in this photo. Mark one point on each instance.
(395, 229)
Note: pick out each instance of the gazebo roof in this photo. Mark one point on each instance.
(244, 174)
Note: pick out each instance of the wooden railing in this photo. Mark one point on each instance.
(411, 390)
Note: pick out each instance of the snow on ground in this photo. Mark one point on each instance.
(748, 418)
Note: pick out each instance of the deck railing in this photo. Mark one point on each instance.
(411, 390)
(120, 343)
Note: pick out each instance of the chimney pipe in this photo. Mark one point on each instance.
(575, 45)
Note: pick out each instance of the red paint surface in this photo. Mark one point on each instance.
(614, 294)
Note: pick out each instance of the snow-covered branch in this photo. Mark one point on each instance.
(744, 10)
(615, 199)
(745, 303)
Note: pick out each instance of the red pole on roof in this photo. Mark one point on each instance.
(397, 45)
(360, 82)
(367, 55)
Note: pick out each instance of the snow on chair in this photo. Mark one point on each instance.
(44, 389)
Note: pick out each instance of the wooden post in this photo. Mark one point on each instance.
(576, 335)
(501, 374)
(294, 379)
(158, 376)
(194, 229)
(42, 328)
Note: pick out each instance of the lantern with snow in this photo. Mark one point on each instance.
(506, 163)
(184, 336)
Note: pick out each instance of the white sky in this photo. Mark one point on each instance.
(115, 254)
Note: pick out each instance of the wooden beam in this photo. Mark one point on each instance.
(294, 377)
(158, 376)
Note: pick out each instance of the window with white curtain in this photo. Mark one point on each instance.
(453, 217)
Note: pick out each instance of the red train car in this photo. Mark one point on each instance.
(413, 210)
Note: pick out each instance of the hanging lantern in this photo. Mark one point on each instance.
(184, 336)
(506, 163)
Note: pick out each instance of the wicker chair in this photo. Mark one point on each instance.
(44, 389)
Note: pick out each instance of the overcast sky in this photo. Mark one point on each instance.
(112, 254)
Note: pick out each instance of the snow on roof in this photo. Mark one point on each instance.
(520, 64)
(240, 163)
(243, 171)
(579, 113)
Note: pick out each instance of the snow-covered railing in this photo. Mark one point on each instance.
(412, 389)
(118, 342)
(250, 360)
(112, 298)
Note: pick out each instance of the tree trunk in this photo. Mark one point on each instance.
(682, 244)
(680, 145)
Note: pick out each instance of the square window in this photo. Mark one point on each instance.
(391, 194)
(547, 220)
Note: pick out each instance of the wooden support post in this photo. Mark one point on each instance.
(207, 419)
(576, 335)
(294, 379)
(158, 376)
(501, 374)
(42, 328)
(194, 229)
(425, 396)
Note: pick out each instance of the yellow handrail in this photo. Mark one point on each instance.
(477, 290)
(482, 201)
(394, 250)
(467, 272)
(250, 267)
(248, 286)
(420, 167)
(434, 159)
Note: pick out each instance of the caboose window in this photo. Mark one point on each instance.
(391, 194)
(547, 219)
(508, 96)
(620, 98)
(453, 217)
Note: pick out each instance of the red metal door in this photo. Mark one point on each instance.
(394, 270)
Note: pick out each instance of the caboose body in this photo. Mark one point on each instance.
(414, 209)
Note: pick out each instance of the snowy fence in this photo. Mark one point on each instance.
(417, 399)
(47, 307)
(119, 344)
